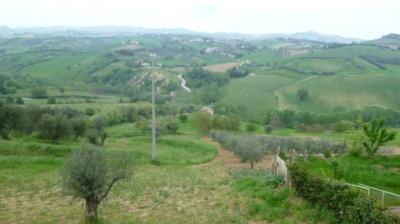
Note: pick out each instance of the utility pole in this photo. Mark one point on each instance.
(153, 121)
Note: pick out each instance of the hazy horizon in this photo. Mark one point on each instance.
(354, 19)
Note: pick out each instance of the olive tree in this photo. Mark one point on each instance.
(249, 150)
(90, 173)
(202, 121)
(376, 136)
(54, 127)
(78, 126)
(97, 134)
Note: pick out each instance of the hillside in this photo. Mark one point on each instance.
(351, 76)
(391, 41)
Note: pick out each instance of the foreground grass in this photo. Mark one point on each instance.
(269, 200)
(175, 191)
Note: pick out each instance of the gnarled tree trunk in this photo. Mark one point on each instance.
(91, 208)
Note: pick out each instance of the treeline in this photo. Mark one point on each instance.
(56, 123)
(338, 121)
(46, 122)
(380, 61)
(305, 72)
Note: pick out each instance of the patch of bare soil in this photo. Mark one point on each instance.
(222, 67)
(228, 159)
(395, 211)
(389, 151)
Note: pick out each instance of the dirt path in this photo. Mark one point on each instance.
(279, 97)
(183, 83)
(229, 160)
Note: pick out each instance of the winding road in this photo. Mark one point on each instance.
(183, 83)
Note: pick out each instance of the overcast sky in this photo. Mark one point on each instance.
(352, 18)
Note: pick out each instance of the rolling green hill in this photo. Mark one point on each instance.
(350, 76)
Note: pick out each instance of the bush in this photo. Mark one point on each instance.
(172, 127)
(268, 129)
(327, 154)
(183, 118)
(78, 126)
(10, 100)
(19, 100)
(303, 94)
(236, 72)
(90, 111)
(342, 126)
(250, 127)
(39, 93)
(202, 121)
(51, 100)
(348, 205)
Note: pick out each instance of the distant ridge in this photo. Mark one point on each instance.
(127, 30)
(391, 40)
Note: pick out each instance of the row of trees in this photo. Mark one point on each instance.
(251, 148)
(49, 123)
(247, 148)
(339, 120)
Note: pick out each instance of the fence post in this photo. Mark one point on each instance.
(383, 199)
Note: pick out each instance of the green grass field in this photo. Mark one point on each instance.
(176, 191)
(379, 172)
(256, 93)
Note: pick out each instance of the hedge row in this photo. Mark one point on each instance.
(348, 205)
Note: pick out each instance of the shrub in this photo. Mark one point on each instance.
(10, 119)
(51, 100)
(19, 100)
(78, 126)
(9, 100)
(172, 127)
(303, 94)
(250, 127)
(342, 126)
(348, 205)
(183, 118)
(202, 121)
(268, 129)
(90, 111)
(327, 154)
(39, 93)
